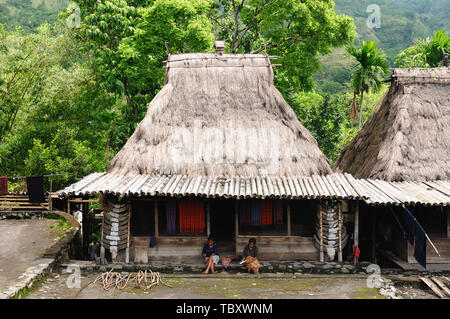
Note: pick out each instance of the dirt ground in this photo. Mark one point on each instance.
(22, 242)
(214, 286)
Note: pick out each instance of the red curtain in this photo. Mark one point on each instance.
(245, 212)
(192, 216)
(266, 212)
(278, 212)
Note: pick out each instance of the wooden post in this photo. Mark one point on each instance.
(236, 218)
(102, 249)
(374, 236)
(448, 222)
(339, 232)
(156, 220)
(321, 257)
(50, 200)
(289, 230)
(127, 251)
(356, 233)
(208, 218)
(84, 227)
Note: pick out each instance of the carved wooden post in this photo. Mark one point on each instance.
(321, 257)
(339, 231)
(356, 233)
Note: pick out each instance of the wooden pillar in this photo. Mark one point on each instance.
(236, 218)
(236, 224)
(374, 235)
(339, 231)
(85, 228)
(356, 233)
(208, 218)
(156, 219)
(102, 249)
(289, 231)
(127, 251)
(50, 200)
(321, 257)
(448, 221)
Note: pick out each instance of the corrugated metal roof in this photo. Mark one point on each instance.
(332, 186)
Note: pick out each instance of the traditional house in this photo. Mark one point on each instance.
(219, 153)
(401, 158)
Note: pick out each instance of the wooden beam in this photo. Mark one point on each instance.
(83, 200)
(156, 219)
(289, 230)
(236, 224)
(356, 233)
(433, 286)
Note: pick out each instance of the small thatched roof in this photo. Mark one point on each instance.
(219, 115)
(408, 136)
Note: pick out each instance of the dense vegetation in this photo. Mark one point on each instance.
(71, 97)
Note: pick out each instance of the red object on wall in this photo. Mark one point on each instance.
(356, 252)
(266, 212)
(245, 212)
(192, 216)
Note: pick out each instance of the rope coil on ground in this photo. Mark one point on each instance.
(120, 281)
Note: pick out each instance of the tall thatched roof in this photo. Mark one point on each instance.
(219, 115)
(408, 136)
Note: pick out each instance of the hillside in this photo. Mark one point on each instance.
(401, 22)
(29, 14)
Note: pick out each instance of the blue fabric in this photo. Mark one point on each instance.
(408, 226)
(420, 241)
(171, 215)
(256, 213)
(209, 250)
(153, 242)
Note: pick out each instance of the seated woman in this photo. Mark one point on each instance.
(250, 256)
(210, 255)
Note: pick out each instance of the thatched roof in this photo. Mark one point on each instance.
(219, 115)
(408, 136)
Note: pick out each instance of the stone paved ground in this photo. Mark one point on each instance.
(224, 285)
(22, 243)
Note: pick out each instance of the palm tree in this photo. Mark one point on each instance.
(370, 66)
(434, 49)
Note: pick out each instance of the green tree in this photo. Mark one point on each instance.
(427, 52)
(370, 66)
(297, 31)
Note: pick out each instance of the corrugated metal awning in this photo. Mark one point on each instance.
(332, 186)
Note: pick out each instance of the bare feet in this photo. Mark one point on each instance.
(205, 272)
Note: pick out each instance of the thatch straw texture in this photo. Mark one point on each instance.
(408, 136)
(219, 115)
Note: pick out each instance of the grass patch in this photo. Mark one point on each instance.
(367, 293)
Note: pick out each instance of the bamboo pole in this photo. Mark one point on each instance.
(102, 249)
(321, 257)
(339, 232)
(50, 200)
(356, 233)
(236, 224)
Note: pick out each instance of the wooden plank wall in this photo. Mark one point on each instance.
(21, 202)
(280, 247)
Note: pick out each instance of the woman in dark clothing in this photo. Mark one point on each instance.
(210, 255)
(250, 256)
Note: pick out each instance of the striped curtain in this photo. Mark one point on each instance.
(256, 212)
(245, 212)
(278, 212)
(171, 216)
(192, 216)
(266, 212)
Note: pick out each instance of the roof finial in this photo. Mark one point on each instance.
(219, 46)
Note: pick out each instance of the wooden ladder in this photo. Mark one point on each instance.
(436, 284)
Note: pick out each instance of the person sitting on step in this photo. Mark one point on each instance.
(210, 255)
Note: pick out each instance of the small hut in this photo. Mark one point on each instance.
(219, 153)
(406, 143)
